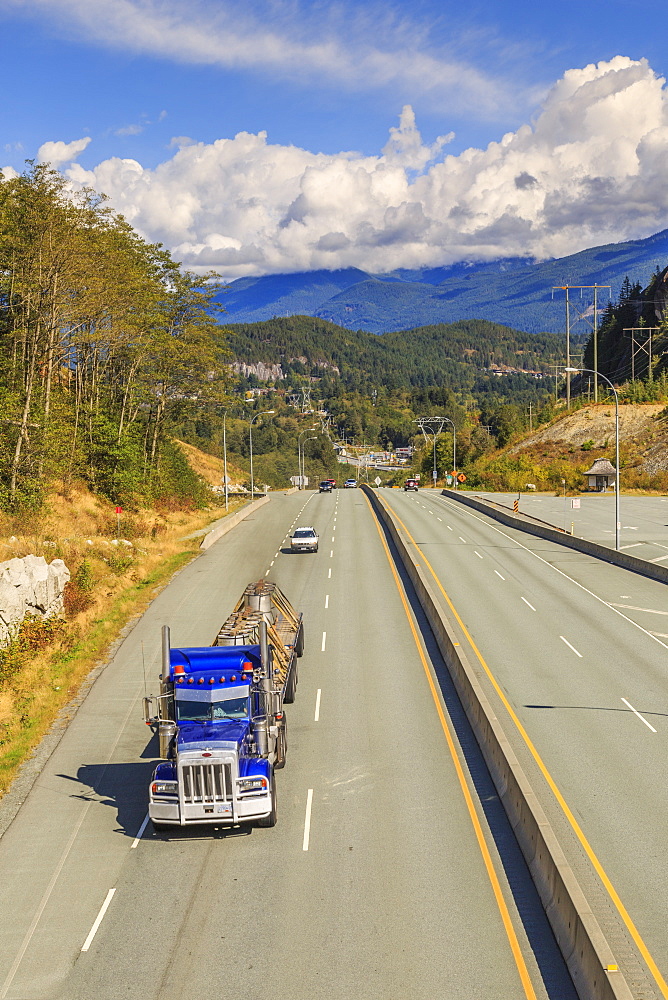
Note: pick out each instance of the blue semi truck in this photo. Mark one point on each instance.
(220, 718)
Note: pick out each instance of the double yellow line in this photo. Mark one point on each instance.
(621, 909)
(468, 798)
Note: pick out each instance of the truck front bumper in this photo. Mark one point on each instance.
(169, 813)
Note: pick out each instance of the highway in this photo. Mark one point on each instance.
(644, 520)
(374, 885)
(573, 651)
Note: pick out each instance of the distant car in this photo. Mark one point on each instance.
(350, 484)
(411, 484)
(304, 540)
(333, 482)
(326, 486)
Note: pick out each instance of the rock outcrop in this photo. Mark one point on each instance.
(29, 586)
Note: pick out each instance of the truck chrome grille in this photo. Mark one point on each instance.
(207, 783)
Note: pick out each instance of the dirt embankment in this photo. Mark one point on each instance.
(643, 435)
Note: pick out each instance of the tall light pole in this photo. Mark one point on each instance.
(606, 379)
(250, 436)
(432, 427)
(454, 450)
(225, 460)
(300, 458)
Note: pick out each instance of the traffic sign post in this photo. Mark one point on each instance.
(119, 511)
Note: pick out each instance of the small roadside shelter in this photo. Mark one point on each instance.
(601, 476)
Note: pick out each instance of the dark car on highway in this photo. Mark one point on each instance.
(326, 486)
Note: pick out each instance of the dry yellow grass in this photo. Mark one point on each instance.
(120, 581)
(211, 468)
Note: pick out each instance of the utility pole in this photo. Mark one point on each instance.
(638, 331)
(581, 316)
(530, 418)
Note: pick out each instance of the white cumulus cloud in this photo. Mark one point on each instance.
(58, 153)
(589, 169)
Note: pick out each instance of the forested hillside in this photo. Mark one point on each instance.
(103, 340)
(458, 354)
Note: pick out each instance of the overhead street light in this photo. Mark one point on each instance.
(300, 452)
(250, 435)
(591, 371)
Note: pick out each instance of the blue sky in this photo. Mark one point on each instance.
(366, 124)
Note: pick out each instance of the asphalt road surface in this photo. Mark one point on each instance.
(373, 885)
(643, 520)
(577, 649)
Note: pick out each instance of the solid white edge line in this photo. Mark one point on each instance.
(635, 712)
(140, 833)
(98, 920)
(307, 820)
(528, 605)
(316, 717)
(324, 642)
(570, 647)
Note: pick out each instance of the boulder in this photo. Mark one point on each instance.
(29, 586)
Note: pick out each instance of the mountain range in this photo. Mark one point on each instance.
(514, 291)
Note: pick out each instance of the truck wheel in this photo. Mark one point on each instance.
(159, 827)
(270, 820)
(299, 645)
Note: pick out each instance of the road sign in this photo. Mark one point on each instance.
(378, 480)
(461, 478)
(575, 503)
(119, 510)
(449, 479)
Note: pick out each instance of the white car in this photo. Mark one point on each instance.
(350, 484)
(304, 540)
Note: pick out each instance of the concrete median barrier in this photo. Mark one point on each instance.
(227, 523)
(533, 526)
(586, 951)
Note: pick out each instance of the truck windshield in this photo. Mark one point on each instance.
(202, 711)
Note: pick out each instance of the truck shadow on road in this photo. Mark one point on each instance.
(124, 787)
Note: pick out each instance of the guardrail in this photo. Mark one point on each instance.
(581, 941)
(533, 526)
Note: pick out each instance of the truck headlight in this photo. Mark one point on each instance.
(252, 784)
(164, 788)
